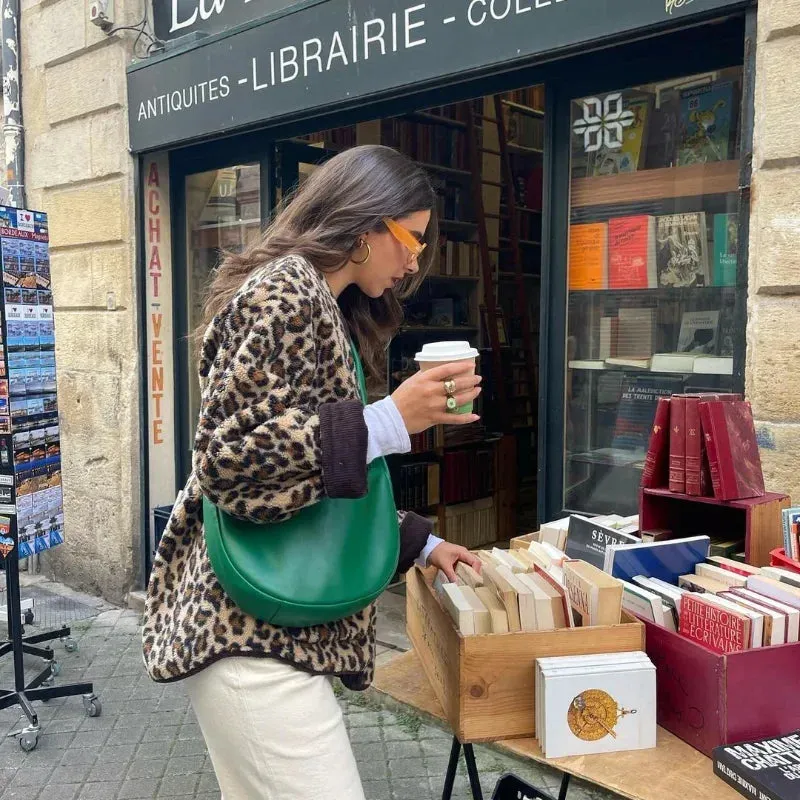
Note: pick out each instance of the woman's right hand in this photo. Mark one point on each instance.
(422, 400)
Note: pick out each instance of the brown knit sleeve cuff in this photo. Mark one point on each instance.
(414, 532)
(343, 440)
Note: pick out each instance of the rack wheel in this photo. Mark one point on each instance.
(28, 741)
(29, 617)
(70, 645)
(55, 669)
(92, 705)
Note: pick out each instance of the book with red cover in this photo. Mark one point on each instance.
(631, 253)
(656, 463)
(716, 628)
(698, 484)
(677, 444)
(733, 458)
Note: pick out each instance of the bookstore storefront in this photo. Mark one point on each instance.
(593, 180)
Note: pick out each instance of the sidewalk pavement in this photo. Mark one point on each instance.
(147, 744)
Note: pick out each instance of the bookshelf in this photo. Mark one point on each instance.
(466, 479)
(651, 273)
(656, 184)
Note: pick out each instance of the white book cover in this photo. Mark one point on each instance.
(459, 608)
(783, 575)
(713, 365)
(777, 590)
(642, 602)
(576, 665)
(792, 614)
(599, 711)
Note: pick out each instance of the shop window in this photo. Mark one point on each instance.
(222, 215)
(484, 158)
(652, 271)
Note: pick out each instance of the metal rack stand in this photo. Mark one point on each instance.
(18, 645)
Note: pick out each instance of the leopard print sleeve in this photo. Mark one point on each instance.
(267, 445)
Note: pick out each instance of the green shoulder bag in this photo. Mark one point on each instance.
(328, 561)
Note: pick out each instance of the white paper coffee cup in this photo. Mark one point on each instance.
(435, 354)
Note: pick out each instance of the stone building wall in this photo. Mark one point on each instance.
(773, 333)
(80, 172)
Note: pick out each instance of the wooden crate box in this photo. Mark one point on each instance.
(485, 684)
(708, 699)
(756, 520)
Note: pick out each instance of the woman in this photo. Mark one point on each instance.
(280, 427)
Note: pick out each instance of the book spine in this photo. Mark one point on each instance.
(694, 460)
(727, 769)
(654, 474)
(677, 444)
(711, 449)
(726, 469)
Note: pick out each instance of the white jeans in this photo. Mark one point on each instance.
(273, 731)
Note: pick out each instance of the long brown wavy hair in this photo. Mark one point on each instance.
(322, 221)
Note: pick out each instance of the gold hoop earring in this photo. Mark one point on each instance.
(366, 258)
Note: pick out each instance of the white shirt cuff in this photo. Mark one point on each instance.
(386, 430)
(433, 542)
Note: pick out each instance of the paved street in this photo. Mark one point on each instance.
(146, 743)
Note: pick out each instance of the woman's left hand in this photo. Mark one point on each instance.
(445, 556)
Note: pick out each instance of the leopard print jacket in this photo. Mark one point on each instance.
(280, 427)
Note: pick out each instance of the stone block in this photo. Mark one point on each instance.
(773, 359)
(776, 17)
(53, 32)
(89, 403)
(775, 232)
(113, 270)
(91, 463)
(778, 446)
(35, 103)
(71, 275)
(90, 213)
(109, 144)
(95, 81)
(776, 135)
(60, 156)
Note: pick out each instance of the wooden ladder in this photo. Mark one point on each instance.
(475, 149)
(522, 309)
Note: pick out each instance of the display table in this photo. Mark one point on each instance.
(672, 770)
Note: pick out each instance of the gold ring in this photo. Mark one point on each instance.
(452, 403)
(450, 388)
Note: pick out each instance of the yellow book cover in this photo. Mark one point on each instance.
(588, 256)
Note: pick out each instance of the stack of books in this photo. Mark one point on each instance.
(704, 445)
(538, 589)
(595, 704)
(722, 604)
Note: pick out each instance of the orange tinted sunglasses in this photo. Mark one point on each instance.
(405, 237)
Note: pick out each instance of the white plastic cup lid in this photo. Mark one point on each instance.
(445, 352)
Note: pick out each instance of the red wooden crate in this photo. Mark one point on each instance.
(756, 520)
(778, 558)
(708, 699)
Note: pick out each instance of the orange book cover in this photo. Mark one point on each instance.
(631, 253)
(588, 256)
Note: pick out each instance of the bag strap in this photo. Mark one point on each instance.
(362, 384)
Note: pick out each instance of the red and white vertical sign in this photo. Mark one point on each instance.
(160, 374)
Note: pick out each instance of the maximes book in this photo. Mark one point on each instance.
(766, 769)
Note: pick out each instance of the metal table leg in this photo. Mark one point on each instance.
(472, 772)
(452, 766)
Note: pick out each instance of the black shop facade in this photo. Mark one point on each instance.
(591, 160)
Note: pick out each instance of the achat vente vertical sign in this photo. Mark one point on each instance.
(160, 384)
